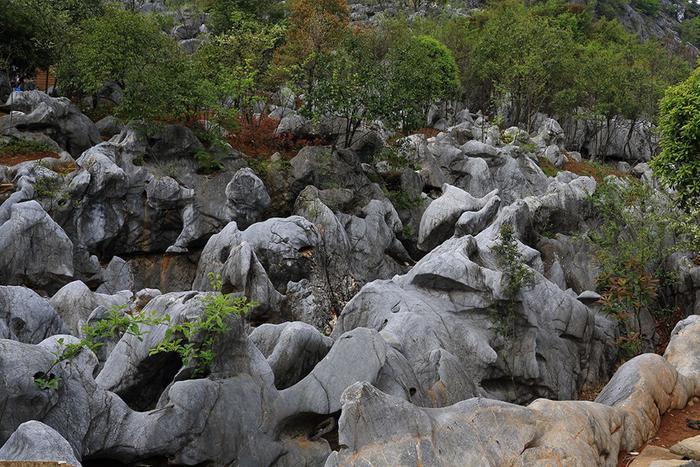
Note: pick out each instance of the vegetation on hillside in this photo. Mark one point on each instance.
(506, 59)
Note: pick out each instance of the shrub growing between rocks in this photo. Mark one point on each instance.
(113, 326)
(194, 340)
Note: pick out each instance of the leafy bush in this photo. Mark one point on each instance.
(128, 48)
(422, 70)
(516, 276)
(208, 160)
(690, 31)
(678, 164)
(649, 7)
(194, 340)
(633, 239)
(349, 84)
(114, 325)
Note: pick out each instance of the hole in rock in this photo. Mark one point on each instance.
(154, 374)
(223, 254)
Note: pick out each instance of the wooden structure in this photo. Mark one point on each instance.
(44, 79)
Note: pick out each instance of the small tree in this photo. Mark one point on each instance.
(31, 34)
(129, 49)
(421, 71)
(109, 48)
(238, 64)
(350, 84)
(315, 28)
(516, 276)
(678, 165)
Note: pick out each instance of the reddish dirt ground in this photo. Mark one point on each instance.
(14, 159)
(673, 429)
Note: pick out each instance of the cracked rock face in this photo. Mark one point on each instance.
(382, 333)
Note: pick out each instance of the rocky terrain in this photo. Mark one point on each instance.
(374, 339)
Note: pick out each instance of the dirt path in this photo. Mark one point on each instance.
(673, 429)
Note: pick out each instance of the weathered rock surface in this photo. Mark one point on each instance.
(27, 317)
(34, 441)
(55, 117)
(34, 250)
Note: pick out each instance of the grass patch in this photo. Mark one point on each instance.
(547, 167)
(15, 151)
(591, 169)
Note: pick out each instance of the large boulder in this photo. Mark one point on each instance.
(292, 349)
(620, 139)
(75, 302)
(27, 317)
(55, 117)
(34, 441)
(626, 414)
(439, 219)
(285, 247)
(34, 250)
(443, 318)
(247, 197)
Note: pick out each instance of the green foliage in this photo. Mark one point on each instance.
(20, 147)
(238, 64)
(547, 167)
(159, 81)
(108, 48)
(193, 340)
(226, 14)
(634, 237)
(349, 84)
(47, 187)
(30, 33)
(678, 164)
(402, 200)
(114, 325)
(648, 7)
(550, 57)
(516, 276)
(687, 226)
(422, 70)
(523, 56)
(610, 9)
(208, 160)
(690, 30)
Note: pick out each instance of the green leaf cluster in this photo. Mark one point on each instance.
(678, 164)
(113, 325)
(194, 340)
(516, 276)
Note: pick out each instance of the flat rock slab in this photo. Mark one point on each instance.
(688, 448)
(654, 454)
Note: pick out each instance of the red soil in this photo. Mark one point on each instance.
(673, 429)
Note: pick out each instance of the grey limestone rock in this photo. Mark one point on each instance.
(34, 441)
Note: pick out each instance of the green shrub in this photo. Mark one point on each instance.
(128, 48)
(690, 31)
(25, 147)
(678, 164)
(194, 340)
(516, 276)
(47, 187)
(114, 325)
(649, 7)
(634, 237)
(422, 70)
